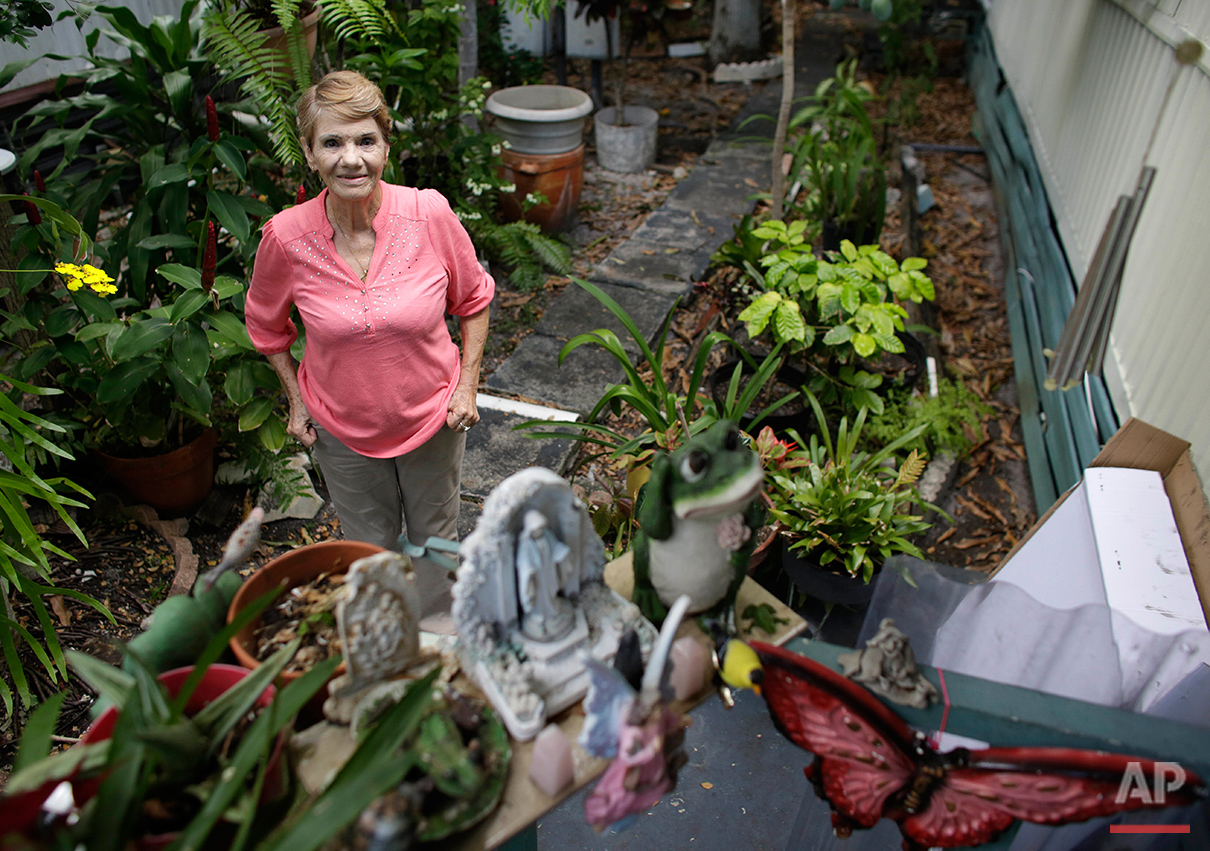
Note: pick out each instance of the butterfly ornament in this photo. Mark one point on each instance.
(633, 723)
(869, 765)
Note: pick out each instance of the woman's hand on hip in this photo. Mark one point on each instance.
(462, 414)
(300, 427)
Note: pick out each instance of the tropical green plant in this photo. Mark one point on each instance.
(24, 552)
(235, 38)
(131, 377)
(951, 419)
(842, 309)
(22, 19)
(213, 757)
(155, 747)
(835, 157)
(844, 507)
(152, 136)
(654, 397)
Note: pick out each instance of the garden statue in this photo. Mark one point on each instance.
(466, 751)
(634, 723)
(531, 597)
(887, 666)
(697, 517)
(540, 560)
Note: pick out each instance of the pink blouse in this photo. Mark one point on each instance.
(380, 366)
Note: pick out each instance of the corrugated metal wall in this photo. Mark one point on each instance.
(1091, 78)
(65, 39)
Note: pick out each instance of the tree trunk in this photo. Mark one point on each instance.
(735, 34)
(787, 99)
(468, 52)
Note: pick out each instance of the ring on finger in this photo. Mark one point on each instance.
(465, 427)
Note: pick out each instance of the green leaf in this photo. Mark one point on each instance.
(187, 304)
(186, 276)
(120, 383)
(788, 323)
(864, 344)
(272, 434)
(228, 210)
(230, 156)
(848, 250)
(838, 335)
(230, 328)
(140, 337)
(166, 240)
(240, 383)
(172, 173)
(254, 413)
(759, 312)
(913, 264)
(191, 352)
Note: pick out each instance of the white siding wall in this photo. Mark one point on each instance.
(1090, 77)
(64, 38)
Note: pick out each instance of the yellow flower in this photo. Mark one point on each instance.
(76, 276)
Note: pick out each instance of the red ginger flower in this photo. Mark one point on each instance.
(209, 258)
(301, 195)
(211, 119)
(39, 183)
(31, 210)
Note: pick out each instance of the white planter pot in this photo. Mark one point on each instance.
(628, 147)
(540, 119)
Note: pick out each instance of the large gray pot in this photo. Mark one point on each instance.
(540, 119)
(628, 147)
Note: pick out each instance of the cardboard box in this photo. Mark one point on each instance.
(1138, 445)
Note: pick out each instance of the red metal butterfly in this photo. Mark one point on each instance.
(870, 765)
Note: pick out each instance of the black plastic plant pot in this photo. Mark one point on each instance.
(823, 584)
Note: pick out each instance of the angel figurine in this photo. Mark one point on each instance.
(633, 723)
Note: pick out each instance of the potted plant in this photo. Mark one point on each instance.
(836, 158)
(625, 135)
(172, 757)
(134, 380)
(844, 511)
(299, 567)
(842, 310)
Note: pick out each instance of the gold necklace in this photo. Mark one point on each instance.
(348, 242)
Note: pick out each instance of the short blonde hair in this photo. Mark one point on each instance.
(348, 96)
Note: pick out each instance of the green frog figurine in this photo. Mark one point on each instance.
(697, 517)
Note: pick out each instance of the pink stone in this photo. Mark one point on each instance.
(689, 665)
(551, 767)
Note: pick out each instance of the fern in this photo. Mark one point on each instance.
(911, 470)
(286, 11)
(357, 19)
(524, 250)
(239, 51)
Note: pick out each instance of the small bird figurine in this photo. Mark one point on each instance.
(239, 546)
(737, 666)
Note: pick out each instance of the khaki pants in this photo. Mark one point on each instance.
(375, 497)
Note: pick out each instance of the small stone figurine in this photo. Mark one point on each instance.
(531, 597)
(697, 515)
(887, 666)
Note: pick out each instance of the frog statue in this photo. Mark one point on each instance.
(697, 517)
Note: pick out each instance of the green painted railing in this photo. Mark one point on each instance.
(1061, 435)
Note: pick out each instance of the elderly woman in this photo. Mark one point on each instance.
(382, 393)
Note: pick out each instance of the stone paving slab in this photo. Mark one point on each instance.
(533, 371)
(494, 451)
(654, 266)
(576, 311)
(722, 186)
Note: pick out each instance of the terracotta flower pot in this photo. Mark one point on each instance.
(215, 681)
(296, 567)
(174, 483)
